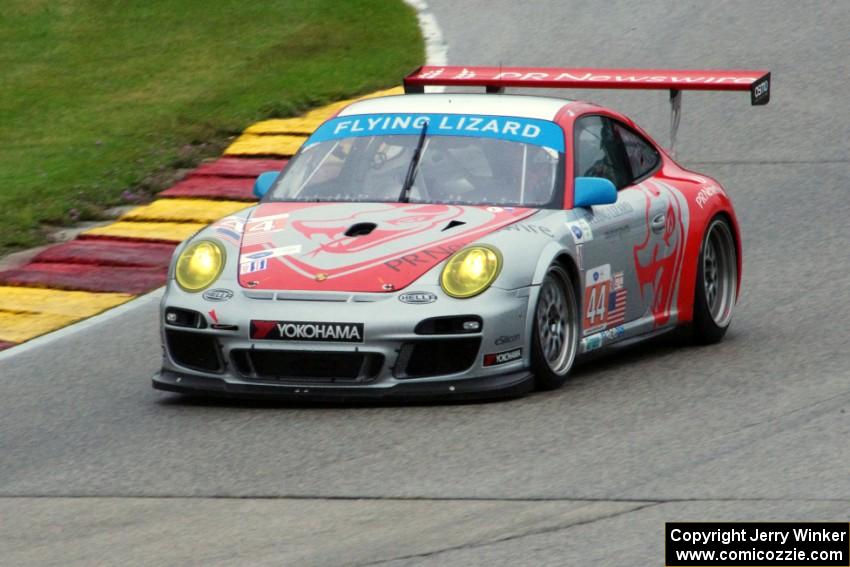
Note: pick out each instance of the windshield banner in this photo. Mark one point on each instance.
(513, 129)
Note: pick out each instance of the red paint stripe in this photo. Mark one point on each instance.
(213, 187)
(109, 253)
(240, 167)
(86, 277)
(6, 344)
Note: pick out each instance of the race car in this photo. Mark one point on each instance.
(457, 245)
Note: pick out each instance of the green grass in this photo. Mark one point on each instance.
(98, 97)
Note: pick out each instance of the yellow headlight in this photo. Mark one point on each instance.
(471, 271)
(199, 265)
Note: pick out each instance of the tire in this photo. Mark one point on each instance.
(555, 335)
(716, 284)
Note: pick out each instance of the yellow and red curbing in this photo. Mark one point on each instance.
(110, 265)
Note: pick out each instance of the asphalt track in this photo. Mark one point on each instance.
(95, 467)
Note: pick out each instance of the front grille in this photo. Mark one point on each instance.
(193, 350)
(436, 357)
(303, 366)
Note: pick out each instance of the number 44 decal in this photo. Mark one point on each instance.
(597, 286)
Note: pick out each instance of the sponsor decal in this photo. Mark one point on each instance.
(597, 286)
(514, 129)
(236, 224)
(426, 256)
(506, 339)
(707, 193)
(230, 229)
(581, 231)
(761, 91)
(580, 256)
(218, 294)
(529, 228)
(596, 77)
(610, 212)
(616, 233)
(253, 266)
(229, 235)
(271, 253)
(618, 280)
(497, 358)
(258, 230)
(591, 343)
(307, 331)
(583, 75)
(614, 333)
(604, 299)
(418, 297)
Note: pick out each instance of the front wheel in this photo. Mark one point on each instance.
(556, 330)
(717, 283)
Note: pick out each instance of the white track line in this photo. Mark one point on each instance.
(104, 317)
(435, 46)
(436, 49)
(435, 54)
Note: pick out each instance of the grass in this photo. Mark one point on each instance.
(104, 98)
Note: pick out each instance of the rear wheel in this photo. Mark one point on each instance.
(556, 329)
(717, 283)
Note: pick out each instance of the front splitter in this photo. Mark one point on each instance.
(489, 387)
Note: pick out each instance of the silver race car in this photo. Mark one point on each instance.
(456, 245)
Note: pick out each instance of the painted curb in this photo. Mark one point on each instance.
(110, 265)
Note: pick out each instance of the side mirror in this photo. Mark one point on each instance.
(264, 182)
(593, 191)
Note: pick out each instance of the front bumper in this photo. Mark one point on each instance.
(238, 365)
(487, 387)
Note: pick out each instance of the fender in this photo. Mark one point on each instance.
(551, 251)
(547, 257)
(706, 201)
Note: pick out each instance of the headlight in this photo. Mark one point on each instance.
(471, 271)
(199, 265)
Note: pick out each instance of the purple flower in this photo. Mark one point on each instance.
(130, 197)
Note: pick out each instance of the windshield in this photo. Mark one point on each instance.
(463, 159)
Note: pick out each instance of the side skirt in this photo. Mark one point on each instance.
(625, 335)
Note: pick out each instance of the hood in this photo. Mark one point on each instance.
(357, 247)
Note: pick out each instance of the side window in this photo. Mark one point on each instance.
(642, 156)
(599, 151)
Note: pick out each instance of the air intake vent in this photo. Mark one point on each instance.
(436, 357)
(453, 224)
(193, 350)
(305, 366)
(361, 229)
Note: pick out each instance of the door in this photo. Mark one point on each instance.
(658, 252)
(614, 237)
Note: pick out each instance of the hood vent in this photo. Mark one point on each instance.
(361, 229)
(452, 224)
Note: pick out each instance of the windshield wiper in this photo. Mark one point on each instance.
(404, 197)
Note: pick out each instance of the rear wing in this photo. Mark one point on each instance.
(496, 79)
